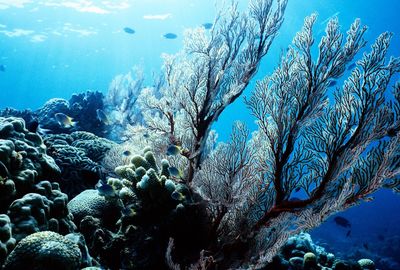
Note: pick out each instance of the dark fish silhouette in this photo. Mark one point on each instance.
(341, 221)
(129, 30)
(207, 25)
(2, 68)
(365, 245)
(381, 237)
(170, 36)
(127, 153)
(353, 65)
(348, 233)
(332, 83)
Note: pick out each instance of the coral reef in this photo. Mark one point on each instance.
(121, 102)
(84, 106)
(44, 250)
(47, 112)
(23, 161)
(78, 155)
(34, 212)
(7, 242)
(90, 203)
(80, 107)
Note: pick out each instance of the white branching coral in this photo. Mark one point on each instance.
(211, 72)
(121, 102)
(335, 143)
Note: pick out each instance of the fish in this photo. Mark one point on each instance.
(353, 65)
(105, 189)
(170, 36)
(177, 196)
(207, 25)
(102, 117)
(173, 150)
(129, 30)
(127, 153)
(348, 233)
(2, 68)
(64, 120)
(146, 135)
(341, 221)
(175, 171)
(332, 83)
(128, 211)
(365, 245)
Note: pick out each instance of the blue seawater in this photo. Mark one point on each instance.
(56, 48)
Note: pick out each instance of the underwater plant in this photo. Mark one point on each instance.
(334, 142)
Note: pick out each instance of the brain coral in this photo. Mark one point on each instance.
(44, 250)
(90, 203)
(78, 154)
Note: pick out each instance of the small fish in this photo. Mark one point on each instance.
(348, 233)
(126, 153)
(173, 150)
(369, 199)
(177, 196)
(207, 25)
(170, 36)
(146, 135)
(332, 83)
(105, 189)
(2, 68)
(175, 171)
(128, 212)
(341, 221)
(129, 30)
(102, 117)
(353, 65)
(365, 245)
(64, 120)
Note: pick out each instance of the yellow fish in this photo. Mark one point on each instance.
(64, 120)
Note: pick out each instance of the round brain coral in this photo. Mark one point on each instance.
(44, 251)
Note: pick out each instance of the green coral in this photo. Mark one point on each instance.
(44, 251)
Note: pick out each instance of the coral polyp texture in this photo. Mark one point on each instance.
(44, 250)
